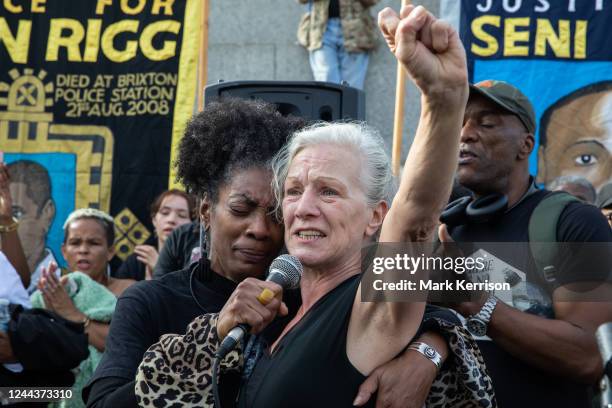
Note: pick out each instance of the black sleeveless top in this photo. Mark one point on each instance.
(309, 367)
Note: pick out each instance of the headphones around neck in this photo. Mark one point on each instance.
(466, 210)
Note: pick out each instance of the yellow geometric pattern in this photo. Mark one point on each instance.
(25, 127)
(129, 232)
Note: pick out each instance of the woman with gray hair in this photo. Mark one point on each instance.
(333, 184)
(375, 175)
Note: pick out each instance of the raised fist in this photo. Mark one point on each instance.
(429, 50)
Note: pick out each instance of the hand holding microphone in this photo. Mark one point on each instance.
(255, 303)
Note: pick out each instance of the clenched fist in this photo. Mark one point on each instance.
(429, 50)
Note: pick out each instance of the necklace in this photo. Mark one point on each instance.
(195, 299)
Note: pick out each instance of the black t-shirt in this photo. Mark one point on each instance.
(144, 312)
(132, 268)
(179, 250)
(309, 367)
(516, 383)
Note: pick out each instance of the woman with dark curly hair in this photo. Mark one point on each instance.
(224, 156)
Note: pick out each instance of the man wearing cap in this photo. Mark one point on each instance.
(539, 348)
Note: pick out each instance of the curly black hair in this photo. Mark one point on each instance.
(228, 135)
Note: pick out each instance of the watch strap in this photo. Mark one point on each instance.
(487, 310)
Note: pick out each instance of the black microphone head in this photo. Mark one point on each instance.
(286, 270)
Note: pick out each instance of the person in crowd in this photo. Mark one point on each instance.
(182, 248)
(87, 294)
(10, 244)
(34, 209)
(604, 202)
(14, 271)
(12, 288)
(333, 182)
(40, 349)
(170, 210)
(577, 186)
(13, 291)
(539, 343)
(576, 137)
(339, 34)
(12, 258)
(88, 247)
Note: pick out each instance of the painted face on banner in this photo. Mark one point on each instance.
(34, 223)
(579, 140)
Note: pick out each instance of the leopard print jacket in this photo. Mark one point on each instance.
(464, 381)
(176, 371)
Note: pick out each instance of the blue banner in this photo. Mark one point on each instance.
(559, 53)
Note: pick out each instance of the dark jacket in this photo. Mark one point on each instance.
(46, 345)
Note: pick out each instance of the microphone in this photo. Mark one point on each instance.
(286, 271)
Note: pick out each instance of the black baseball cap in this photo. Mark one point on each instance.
(509, 98)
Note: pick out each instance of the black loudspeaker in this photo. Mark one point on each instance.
(310, 100)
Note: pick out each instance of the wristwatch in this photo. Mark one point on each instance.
(428, 351)
(11, 227)
(477, 324)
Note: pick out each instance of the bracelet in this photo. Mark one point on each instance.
(86, 323)
(11, 227)
(429, 352)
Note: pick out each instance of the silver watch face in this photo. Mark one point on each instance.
(476, 326)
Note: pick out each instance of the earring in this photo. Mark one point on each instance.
(207, 243)
(204, 239)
